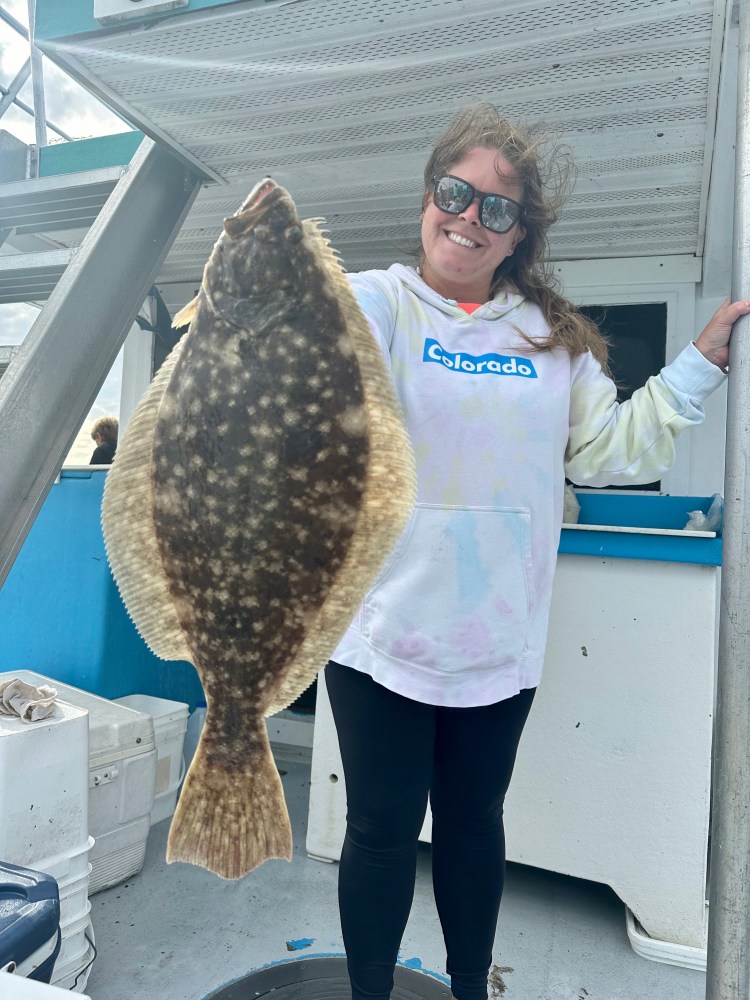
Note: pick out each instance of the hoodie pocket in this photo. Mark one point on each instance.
(457, 591)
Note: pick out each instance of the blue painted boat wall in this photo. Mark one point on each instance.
(60, 611)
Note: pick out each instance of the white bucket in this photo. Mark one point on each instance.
(74, 898)
(72, 874)
(73, 933)
(69, 867)
(74, 975)
(193, 732)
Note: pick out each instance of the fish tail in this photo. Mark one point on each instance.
(231, 818)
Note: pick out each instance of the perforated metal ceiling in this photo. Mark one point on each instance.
(340, 101)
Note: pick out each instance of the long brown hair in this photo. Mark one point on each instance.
(544, 170)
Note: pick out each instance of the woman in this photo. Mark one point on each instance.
(505, 392)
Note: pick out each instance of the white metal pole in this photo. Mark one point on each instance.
(37, 80)
(728, 968)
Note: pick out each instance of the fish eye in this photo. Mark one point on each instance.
(293, 234)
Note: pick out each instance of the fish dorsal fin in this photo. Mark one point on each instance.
(186, 314)
(129, 530)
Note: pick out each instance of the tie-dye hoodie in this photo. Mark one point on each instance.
(459, 614)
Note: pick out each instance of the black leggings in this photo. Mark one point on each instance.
(395, 753)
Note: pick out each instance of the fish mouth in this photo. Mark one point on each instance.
(263, 196)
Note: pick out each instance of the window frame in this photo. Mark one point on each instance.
(680, 300)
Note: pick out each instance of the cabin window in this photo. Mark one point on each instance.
(637, 336)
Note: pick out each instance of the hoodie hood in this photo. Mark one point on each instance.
(500, 307)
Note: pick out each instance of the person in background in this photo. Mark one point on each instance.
(505, 392)
(104, 434)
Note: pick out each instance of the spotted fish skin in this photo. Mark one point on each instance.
(279, 476)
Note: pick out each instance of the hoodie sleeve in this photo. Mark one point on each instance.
(618, 444)
(378, 301)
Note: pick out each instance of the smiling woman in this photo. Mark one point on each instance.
(460, 252)
(505, 392)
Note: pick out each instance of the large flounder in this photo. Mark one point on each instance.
(258, 489)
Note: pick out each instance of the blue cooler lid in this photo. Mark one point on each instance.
(29, 912)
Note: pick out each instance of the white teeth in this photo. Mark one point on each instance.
(462, 241)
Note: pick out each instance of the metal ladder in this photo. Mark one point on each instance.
(91, 292)
(95, 292)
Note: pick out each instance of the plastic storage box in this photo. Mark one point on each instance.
(170, 723)
(122, 782)
(29, 922)
(44, 795)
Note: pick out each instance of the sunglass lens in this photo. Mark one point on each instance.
(452, 194)
(499, 214)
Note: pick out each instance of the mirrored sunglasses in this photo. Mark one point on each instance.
(496, 212)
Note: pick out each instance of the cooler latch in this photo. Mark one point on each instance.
(97, 778)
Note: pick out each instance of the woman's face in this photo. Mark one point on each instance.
(460, 255)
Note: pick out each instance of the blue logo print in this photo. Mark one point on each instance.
(478, 364)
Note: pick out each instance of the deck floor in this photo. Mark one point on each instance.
(176, 932)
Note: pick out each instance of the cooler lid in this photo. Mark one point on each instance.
(114, 729)
(29, 912)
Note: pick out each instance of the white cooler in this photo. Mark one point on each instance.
(44, 823)
(121, 782)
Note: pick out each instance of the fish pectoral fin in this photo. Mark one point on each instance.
(231, 816)
(185, 316)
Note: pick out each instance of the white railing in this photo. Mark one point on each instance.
(32, 67)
